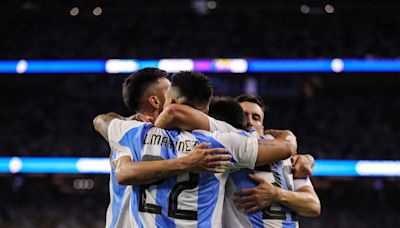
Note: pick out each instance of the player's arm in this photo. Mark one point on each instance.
(182, 117)
(304, 201)
(282, 147)
(198, 160)
(102, 121)
(302, 165)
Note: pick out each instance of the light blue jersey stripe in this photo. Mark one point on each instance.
(288, 224)
(134, 139)
(278, 166)
(242, 181)
(207, 199)
(118, 192)
(164, 189)
(208, 187)
(135, 199)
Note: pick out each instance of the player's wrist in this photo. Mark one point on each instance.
(183, 164)
(278, 195)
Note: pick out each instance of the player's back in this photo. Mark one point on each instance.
(189, 199)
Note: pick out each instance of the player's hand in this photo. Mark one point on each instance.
(201, 159)
(283, 134)
(302, 165)
(142, 118)
(254, 199)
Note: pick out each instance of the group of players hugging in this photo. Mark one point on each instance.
(188, 159)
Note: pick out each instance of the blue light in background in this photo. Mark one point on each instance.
(9, 67)
(335, 168)
(293, 65)
(101, 166)
(65, 66)
(358, 65)
(234, 65)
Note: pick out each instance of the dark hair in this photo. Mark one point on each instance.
(253, 99)
(229, 110)
(134, 86)
(195, 87)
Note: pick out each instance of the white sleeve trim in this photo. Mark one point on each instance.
(302, 182)
(116, 130)
(218, 125)
(253, 142)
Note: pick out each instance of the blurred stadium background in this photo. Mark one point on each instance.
(328, 70)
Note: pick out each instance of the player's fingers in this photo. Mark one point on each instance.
(217, 150)
(252, 209)
(271, 131)
(202, 146)
(256, 178)
(219, 163)
(247, 191)
(244, 199)
(246, 205)
(215, 170)
(222, 157)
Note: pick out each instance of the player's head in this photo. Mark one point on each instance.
(254, 108)
(190, 88)
(144, 90)
(228, 110)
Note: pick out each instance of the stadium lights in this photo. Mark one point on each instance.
(74, 11)
(234, 65)
(388, 168)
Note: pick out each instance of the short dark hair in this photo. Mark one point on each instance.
(195, 87)
(135, 85)
(253, 99)
(229, 110)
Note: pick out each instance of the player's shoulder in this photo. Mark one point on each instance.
(218, 125)
(119, 128)
(224, 134)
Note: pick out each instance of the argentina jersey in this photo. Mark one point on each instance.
(276, 216)
(117, 214)
(186, 200)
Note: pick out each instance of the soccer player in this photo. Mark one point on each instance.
(189, 199)
(144, 92)
(304, 201)
(278, 195)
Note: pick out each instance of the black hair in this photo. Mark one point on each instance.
(195, 87)
(229, 110)
(253, 99)
(135, 85)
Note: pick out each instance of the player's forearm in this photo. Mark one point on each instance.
(270, 150)
(146, 172)
(182, 117)
(305, 201)
(166, 119)
(102, 121)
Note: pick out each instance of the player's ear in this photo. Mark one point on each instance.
(154, 101)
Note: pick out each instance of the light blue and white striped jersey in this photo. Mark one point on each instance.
(187, 200)
(278, 173)
(117, 214)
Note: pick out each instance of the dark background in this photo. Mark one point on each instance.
(335, 116)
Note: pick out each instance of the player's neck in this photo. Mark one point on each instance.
(150, 112)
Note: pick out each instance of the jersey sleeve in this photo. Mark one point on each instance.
(244, 149)
(302, 182)
(116, 131)
(221, 126)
